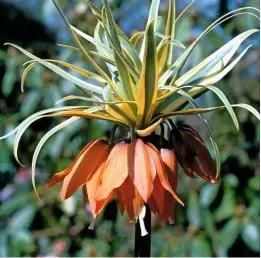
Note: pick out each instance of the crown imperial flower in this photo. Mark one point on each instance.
(193, 154)
(140, 89)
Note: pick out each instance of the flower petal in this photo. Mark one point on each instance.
(191, 130)
(92, 185)
(101, 204)
(140, 169)
(156, 201)
(170, 162)
(120, 203)
(90, 188)
(116, 171)
(58, 177)
(161, 172)
(138, 203)
(84, 167)
(203, 163)
(126, 191)
(184, 155)
(85, 193)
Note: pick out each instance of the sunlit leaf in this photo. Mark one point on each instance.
(148, 84)
(61, 72)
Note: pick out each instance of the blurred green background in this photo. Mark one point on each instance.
(218, 220)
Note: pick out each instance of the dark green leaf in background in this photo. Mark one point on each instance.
(251, 236)
(200, 247)
(193, 210)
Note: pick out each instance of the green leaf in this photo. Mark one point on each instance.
(61, 72)
(30, 103)
(78, 69)
(197, 111)
(227, 206)
(96, 43)
(227, 236)
(173, 103)
(23, 218)
(208, 194)
(200, 247)
(209, 223)
(251, 236)
(8, 82)
(136, 38)
(217, 77)
(4, 247)
(193, 210)
(249, 108)
(18, 201)
(122, 66)
(125, 42)
(72, 97)
(88, 57)
(148, 84)
(153, 15)
(254, 183)
(231, 181)
(217, 91)
(20, 129)
(170, 29)
(176, 68)
(215, 63)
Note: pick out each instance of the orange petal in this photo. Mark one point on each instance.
(84, 193)
(156, 201)
(126, 191)
(92, 186)
(116, 171)
(140, 169)
(161, 172)
(170, 163)
(168, 207)
(120, 202)
(84, 167)
(138, 203)
(58, 177)
(101, 204)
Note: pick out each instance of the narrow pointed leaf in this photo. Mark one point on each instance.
(148, 84)
(216, 62)
(224, 99)
(61, 72)
(118, 55)
(153, 15)
(178, 65)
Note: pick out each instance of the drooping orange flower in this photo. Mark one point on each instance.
(192, 153)
(137, 172)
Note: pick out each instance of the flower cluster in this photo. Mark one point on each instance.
(137, 172)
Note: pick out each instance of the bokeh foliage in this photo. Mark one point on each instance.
(218, 220)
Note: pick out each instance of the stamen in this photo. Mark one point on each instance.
(91, 227)
(144, 232)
